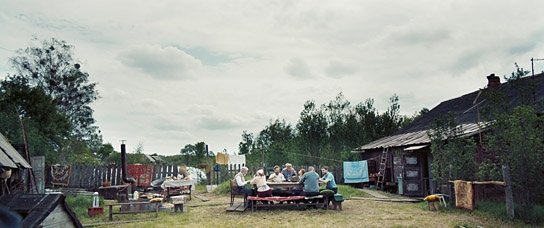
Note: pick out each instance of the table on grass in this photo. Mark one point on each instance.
(184, 185)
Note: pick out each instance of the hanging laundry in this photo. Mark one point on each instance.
(356, 172)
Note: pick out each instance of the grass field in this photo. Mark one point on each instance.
(356, 213)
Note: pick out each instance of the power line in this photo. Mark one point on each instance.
(3, 48)
(310, 156)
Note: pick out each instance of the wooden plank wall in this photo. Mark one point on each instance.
(92, 177)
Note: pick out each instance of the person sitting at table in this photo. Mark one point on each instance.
(288, 171)
(301, 172)
(310, 180)
(276, 176)
(263, 190)
(241, 183)
(328, 179)
(182, 173)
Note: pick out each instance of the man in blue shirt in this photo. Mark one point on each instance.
(328, 179)
(310, 180)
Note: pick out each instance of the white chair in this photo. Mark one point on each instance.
(442, 198)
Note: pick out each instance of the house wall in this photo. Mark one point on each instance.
(396, 168)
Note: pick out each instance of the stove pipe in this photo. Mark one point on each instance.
(130, 180)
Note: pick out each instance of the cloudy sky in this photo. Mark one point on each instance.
(172, 73)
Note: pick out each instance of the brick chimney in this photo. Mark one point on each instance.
(493, 81)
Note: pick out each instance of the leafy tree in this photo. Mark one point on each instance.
(245, 146)
(517, 138)
(312, 132)
(23, 106)
(200, 152)
(275, 142)
(337, 112)
(453, 154)
(187, 152)
(105, 151)
(52, 67)
(391, 120)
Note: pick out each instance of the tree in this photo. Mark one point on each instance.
(200, 152)
(29, 108)
(312, 132)
(517, 139)
(453, 154)
(105, 151)
(275, 142)
(52, 67)
(187, 152)
(337, 112)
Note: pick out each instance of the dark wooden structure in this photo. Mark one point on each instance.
(15, 175)
(41, 210)
(409, 155)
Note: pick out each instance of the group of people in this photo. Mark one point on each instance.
(310, 180)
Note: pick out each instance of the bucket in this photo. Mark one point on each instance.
(210, 188)
(372, 187)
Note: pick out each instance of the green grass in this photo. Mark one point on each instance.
(535, 216)
(81, 203)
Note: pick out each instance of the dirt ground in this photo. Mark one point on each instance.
(211, 212)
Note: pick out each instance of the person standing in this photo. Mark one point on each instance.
(328, 179)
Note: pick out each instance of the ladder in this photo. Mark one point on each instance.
(381, 173)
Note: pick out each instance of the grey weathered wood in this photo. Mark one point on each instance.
(508, 191)
(237, 207)
(58, 218)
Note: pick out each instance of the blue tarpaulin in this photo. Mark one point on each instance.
(355, 172)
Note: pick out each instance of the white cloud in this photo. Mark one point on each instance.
(172, 73)
(161, 63)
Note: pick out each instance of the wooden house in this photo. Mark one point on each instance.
(407, 152)
(13, 168)
(41, 210)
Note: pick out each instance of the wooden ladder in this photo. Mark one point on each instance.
(381, 173)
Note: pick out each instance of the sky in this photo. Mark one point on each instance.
(172, 73)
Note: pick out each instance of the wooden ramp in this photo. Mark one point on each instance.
(237, 207)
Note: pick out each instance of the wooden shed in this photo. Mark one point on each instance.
(407, 153)
(13, 169)
(41, 210)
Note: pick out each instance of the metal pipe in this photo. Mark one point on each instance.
(124, 168)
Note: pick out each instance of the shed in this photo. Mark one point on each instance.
(41, 210)
(13, 168)
(407, 154)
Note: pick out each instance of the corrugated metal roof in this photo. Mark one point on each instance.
(413, 138)
(10, 157)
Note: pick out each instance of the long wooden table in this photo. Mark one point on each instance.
(285, 184)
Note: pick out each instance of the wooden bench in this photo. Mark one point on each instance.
(135, 211)
(300, 200)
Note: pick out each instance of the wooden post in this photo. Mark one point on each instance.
(508, 191)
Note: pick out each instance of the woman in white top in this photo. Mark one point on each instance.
(263, 190)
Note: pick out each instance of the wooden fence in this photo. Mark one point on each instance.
(92, 177)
